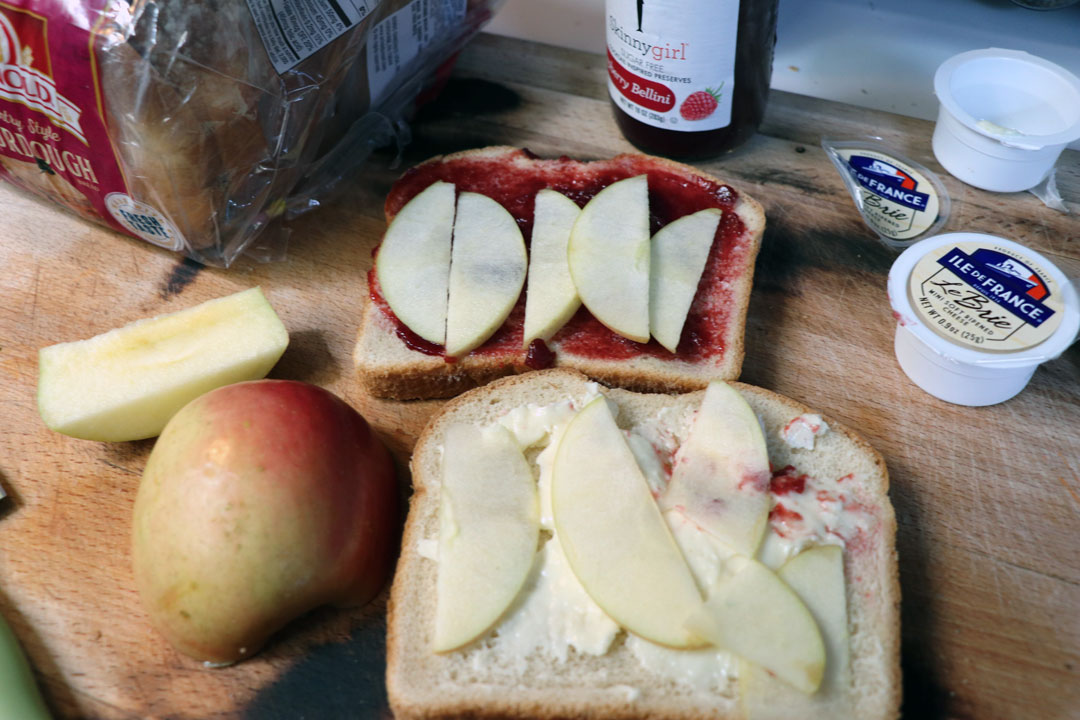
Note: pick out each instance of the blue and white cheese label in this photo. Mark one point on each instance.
(896, 200)
(986, 296)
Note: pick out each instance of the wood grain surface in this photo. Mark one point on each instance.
(987, 499)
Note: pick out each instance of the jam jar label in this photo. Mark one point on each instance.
(986, 296)
(896, 200)
(671, 68)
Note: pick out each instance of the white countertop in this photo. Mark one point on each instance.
(870, 53)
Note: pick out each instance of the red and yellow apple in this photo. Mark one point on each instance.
(261, 501)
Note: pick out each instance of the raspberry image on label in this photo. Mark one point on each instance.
(701, 104)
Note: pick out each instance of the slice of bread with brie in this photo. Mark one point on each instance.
(578, 551)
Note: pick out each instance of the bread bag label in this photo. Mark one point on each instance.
(293, 31)
(986, 296)
(54, 138)
(401, 37)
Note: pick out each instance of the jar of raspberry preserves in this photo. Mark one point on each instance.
(689, 78)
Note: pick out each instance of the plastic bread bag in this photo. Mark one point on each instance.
(191, 125)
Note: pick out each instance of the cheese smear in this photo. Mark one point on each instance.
(554, 615)
(801, 431)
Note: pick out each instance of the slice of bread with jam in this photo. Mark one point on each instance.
(396, 363)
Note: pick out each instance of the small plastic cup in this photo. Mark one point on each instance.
(977, 314)
(1005, 117)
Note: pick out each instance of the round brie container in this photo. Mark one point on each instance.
(976, 314)
(1005, 117)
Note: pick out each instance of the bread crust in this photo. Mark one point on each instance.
(422, 684)
(388, 368)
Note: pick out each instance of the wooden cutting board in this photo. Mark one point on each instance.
(987, 499)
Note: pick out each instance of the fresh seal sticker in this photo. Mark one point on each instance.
(899, 199)
(144, 221)
(985, 296)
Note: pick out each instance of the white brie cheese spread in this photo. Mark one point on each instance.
(801, 431)
(554, 614)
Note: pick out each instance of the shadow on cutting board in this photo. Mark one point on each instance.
(337, 680)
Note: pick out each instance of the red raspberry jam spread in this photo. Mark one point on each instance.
(539, 356)
(787, 480)
(781, 515)
(513, 181)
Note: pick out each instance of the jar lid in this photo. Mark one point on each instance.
(983, 300)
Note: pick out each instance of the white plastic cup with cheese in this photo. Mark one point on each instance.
(976, 314)
(1005, 116)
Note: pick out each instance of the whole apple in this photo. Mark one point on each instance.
(261, 501)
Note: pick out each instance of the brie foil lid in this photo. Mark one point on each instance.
(898, 198)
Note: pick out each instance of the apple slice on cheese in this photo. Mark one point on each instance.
(487, 272)
(489, 526)
(720, 477)
(551, 298)
(754, 614)
(817, 577)
(679, 253)
(413, 263)
(608, 255)
(613, 534)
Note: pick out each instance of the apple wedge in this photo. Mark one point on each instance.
(487, 272)
(608, 255)
(614, 537)
(127, 383)
(551, 298)
(489, 526)
(679, 253)
(413, 262)
(721, 472)
(754, 614)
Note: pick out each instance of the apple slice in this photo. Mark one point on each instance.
(721, 472)
(551, 298)
(679, 253)
(125, 384)
(608, 254)
(487, 272)
(614, 537)
(817, 577)
(413, 263)
(754, 614)
(489, 527)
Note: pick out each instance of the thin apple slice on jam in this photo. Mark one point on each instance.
(720, 477)
(679, 253)
(613, 534)
(754, 614)
(608, 255)
(551, 298)
(413, 262)
(487, 272)
(489, 526)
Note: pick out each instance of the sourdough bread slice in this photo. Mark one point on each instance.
(391, 364)
(510, 672)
